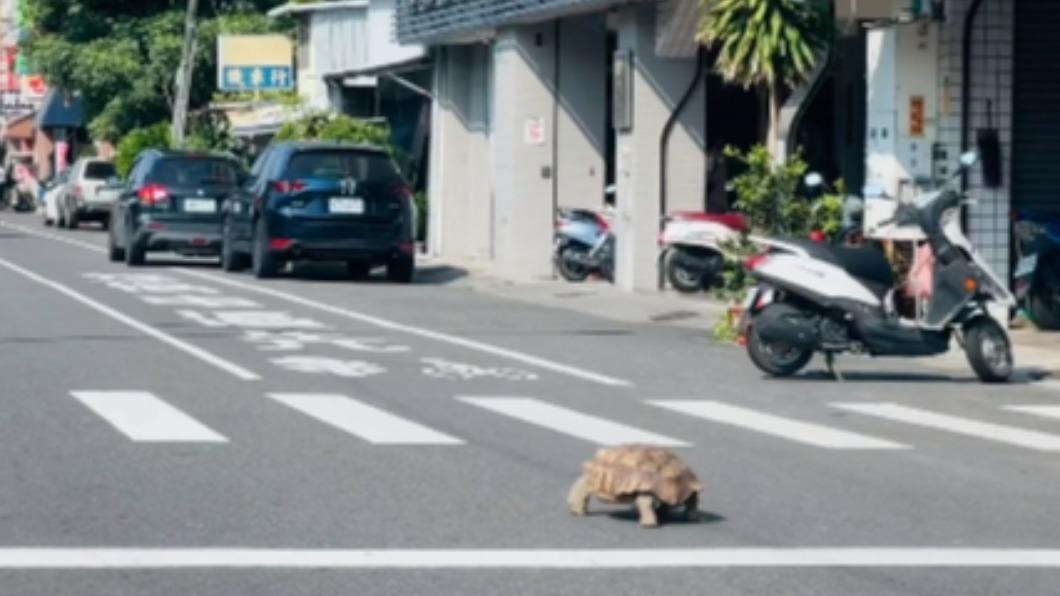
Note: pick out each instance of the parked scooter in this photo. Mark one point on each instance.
(1037, 275)
(835, 299)
(584, 245)
(692, 244)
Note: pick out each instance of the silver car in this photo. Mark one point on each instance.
(89, 193)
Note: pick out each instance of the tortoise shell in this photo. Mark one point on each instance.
(621, 473)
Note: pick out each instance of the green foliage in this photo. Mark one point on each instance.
(423, 214)
(767, 193)
(156, 136)
(122, 56)
(826, 213)
(766, 42)
(327, 126)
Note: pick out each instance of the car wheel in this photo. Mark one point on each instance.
(358, 269)
(61, 222)
(135, 255)
(115, 254)
(105, 223)
(73, 220)
(989, 350)
(263, 262)
(401, 269)
(231, 260)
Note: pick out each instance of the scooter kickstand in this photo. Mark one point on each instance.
(833, 370)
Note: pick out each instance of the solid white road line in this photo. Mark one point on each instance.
(954, 424)
(794, 430)
(362, 420)
(1043, 411)
(482, 559)
(55, 237)
(233, 369)
(570, 422)
(145, 418)
(462, 342)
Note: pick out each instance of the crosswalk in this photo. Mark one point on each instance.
(143, 417)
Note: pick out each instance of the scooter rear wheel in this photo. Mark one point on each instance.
(774, 358)
(989, 350)
(568, 265)
(685, 276)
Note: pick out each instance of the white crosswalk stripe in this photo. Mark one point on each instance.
(963, 426)
(362, 420)
(1043, 411)
(802, 432)
(145, 418)
(596, 430)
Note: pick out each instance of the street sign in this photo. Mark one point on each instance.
(254, 63)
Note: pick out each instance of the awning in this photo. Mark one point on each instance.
(292, 8)
(390, 68)
(60, 110)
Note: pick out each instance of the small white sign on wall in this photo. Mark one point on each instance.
(534, 131)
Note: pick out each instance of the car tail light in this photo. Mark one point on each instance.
(756, 261)
(288, 186)
(407, 248)
(153, 194)
(817, 236)
(280, 243)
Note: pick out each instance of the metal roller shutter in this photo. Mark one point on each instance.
(1036, 103)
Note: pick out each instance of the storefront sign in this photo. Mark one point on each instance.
(534, 131)
(916, 116)
(254, 63)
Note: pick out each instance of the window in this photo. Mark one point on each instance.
(359, 165)
(195, 172)
(99, 170)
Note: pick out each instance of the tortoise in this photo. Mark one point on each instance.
(648, 476)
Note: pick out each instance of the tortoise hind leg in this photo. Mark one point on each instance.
(578, 498)
(646, 507)
(692, 508)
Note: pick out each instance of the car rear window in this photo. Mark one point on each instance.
(194, 172)
(359, 165)
(99, 170)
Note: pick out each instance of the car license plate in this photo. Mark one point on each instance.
(200, 206)
(1026, 266)
(346, 206)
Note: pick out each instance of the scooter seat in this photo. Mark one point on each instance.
(735, 221)
(865, 263)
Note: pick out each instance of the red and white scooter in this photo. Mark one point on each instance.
(692, 243)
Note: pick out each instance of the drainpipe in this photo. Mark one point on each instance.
(664, 145)
(966, 90)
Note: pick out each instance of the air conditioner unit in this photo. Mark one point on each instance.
(887, 10)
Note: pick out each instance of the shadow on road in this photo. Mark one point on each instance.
(1021, 376)
(336, 273)
(666, 517)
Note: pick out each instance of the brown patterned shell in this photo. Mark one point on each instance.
(620, 473)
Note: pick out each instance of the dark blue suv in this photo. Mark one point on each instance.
(321, 202)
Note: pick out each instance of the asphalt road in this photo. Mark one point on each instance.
(176, 430)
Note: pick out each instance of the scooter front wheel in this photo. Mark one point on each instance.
(989, 350)
(775, 358)
(569, 262)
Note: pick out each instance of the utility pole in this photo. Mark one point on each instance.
(184, 74)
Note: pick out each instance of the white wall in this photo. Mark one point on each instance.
(383, 48)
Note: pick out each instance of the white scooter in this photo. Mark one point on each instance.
(692, 244)
(833, 299)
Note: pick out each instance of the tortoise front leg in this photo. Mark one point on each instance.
(646, 507)
(578, 498)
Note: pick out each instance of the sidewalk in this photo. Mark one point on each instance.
(1036, 352)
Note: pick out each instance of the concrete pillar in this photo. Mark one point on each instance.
(523, 167)
(581, 127)
(461, 218)
(658, 85)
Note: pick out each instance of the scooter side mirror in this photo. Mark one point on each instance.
(813, 180)
(969, 159)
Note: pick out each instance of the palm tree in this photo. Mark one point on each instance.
(767, 44)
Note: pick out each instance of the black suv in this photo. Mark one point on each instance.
(172, 201)
(322, 202)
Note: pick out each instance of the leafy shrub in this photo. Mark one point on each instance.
(156, 136)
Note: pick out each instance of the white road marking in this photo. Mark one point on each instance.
(216, 361)
(145, 418)
(1043, 411)
(418, 331)
(955, 424)
(794, 430)
(362, 420)
(482, 559)
(56, 237)
(596, 430)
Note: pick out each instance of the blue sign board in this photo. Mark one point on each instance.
(257, 78)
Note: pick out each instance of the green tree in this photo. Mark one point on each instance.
(122, 56)
(156, 136)
(767, 44)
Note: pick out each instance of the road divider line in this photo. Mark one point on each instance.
(596, 430)
(963, 426)
(145, 418)
(514, 559)
(362, 420)
(793, 430)
(418, 331)
(1043, 411)
(194, 351)
(55, 237)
